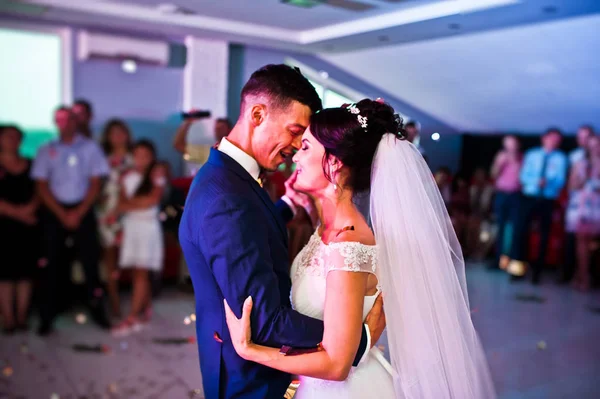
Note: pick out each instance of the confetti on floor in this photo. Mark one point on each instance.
(541, 345)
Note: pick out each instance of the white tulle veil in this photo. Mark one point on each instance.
(435, 351)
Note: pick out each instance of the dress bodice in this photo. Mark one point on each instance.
(316, 260)
(112, 187)
(16, 188)
(371, 379)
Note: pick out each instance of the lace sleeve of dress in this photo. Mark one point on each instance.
(350, 257)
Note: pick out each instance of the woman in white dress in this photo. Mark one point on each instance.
(413, 258)
(117, 143)
(142, 248)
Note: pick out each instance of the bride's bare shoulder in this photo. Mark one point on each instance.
(358, 234)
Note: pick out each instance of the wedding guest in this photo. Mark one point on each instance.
(18, 229)
(116, 143)
(460, 207)
(142, 249)
(583, 135)
(568, 267)
(222, 128)
(443, 178)
(413, 134)
(543, 176)
(481, 191)
(505, 171)
(68, 175)
(583, 214)
(84, 114)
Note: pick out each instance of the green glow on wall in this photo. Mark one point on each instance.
(31, 84)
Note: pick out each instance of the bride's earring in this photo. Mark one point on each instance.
(335, 187)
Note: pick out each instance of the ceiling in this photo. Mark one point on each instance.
(326, 28)
(274, 13)
(476, 65)
(521, 79)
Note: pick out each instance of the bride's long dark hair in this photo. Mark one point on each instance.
(343, 137)
(146, 185)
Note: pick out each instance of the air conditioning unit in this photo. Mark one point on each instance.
(96, 45)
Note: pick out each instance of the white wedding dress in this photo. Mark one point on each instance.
(372, 378)
(434, 348)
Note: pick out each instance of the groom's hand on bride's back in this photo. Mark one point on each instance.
(376, 320)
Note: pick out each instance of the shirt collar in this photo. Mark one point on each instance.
(76, 140)
(245, 160)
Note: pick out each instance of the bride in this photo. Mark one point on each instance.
(413, 259)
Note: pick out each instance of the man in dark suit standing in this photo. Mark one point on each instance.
(235, 241)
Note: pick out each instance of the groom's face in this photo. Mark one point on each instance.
(279, 134)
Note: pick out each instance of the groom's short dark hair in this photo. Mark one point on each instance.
(282, 84)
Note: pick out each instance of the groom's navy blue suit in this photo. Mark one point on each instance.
(235, 244)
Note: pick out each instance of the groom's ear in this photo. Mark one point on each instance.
(258, 114)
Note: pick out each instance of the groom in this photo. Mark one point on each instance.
(235, 242)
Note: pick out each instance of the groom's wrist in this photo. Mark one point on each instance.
(291, 204)
(289, 351)
(368, 346)
(363, 347)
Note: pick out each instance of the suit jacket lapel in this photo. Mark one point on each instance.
(221, 159)
(269, 204)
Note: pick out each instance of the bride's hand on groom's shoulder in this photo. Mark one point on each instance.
(239, 329)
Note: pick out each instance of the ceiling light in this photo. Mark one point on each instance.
(129, 66)
(324, 74)
(435, 136)
(302, 3)
(404, 16)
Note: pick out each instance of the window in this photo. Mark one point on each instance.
(332, 93)
(319, 88)
(334, 99)
(32, 83)
(330, 97)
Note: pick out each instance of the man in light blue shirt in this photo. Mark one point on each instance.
(543, 176)
(68, 175)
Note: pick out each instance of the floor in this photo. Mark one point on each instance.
(543, 345)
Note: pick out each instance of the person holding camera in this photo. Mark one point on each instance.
(180, 142)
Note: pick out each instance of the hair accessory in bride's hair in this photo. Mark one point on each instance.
(400, 123)
(353, 109)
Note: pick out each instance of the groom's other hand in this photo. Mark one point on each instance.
(376, 320)
(300, 199)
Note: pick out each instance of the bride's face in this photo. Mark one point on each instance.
(309, 165)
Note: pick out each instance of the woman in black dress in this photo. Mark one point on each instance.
(18, 230)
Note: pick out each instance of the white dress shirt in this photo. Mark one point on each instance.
(250, 165)
(246, 161)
